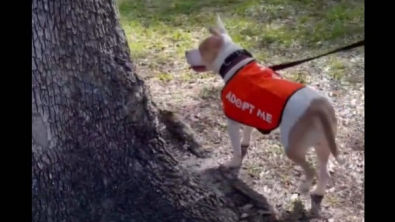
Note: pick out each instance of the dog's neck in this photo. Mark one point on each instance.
(227, 69)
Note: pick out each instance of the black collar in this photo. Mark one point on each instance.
(232, 60)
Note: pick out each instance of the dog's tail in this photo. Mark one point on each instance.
(330, 137)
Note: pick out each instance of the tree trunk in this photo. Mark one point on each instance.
(97, 151)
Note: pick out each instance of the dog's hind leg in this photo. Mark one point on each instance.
(323, 153)
(298, 155)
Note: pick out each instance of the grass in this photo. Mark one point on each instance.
(273, 30)
(337, 68)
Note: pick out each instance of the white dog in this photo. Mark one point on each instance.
(257, 97)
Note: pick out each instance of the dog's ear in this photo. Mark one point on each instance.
(220, 25)
(215, 31)
(216, 42)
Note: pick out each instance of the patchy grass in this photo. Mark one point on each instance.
(337, 68)
(165, 77)
(299, 77)
(162, 30)
(275, 31)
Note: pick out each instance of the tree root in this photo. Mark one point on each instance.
(181, 131)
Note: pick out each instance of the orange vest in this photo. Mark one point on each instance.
(256, 96)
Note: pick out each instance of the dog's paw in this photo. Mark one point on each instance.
(233, 163)
(316, 201)
(245, 144)
(304, 187)
(318, 192)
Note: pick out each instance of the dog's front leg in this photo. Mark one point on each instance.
(234, 135)
(245, 142)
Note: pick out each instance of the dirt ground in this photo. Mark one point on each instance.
(195, 97)
(266, 170)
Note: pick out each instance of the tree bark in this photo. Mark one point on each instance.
(97, 153)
